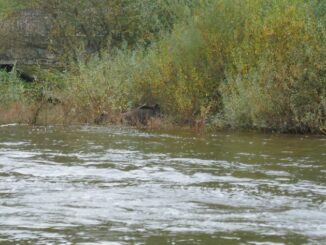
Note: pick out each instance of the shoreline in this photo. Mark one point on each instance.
(167, 128)
(44, 114)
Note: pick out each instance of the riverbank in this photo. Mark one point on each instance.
(19, 114)
(229, 64)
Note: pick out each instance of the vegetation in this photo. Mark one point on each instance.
(229, 63)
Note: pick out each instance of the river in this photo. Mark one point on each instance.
(108, 185)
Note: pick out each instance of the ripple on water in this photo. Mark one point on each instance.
(98, 191)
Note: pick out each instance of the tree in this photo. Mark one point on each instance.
(81, 27)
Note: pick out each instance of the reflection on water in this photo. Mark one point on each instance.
(96, 185)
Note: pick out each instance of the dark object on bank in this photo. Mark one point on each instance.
(6, 67)
(141, 114)
(53, 100)
(25, 77)
(21, 75)
(102, 118)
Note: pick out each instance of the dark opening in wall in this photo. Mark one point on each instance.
(20, 74)
(6, 67)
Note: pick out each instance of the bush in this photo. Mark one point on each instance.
(276, 77)
(11, 88)
(239, 63)
(247, 63)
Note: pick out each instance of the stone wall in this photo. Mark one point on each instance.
(25, 39)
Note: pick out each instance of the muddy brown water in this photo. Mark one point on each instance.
(107, 185)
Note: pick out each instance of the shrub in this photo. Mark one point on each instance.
(11, 88)
(240, 63)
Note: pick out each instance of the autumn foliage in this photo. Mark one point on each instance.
(229, 63)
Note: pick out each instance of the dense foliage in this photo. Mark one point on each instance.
(238, 63)
(78, 28)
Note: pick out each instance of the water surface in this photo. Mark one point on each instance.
(100, 185)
